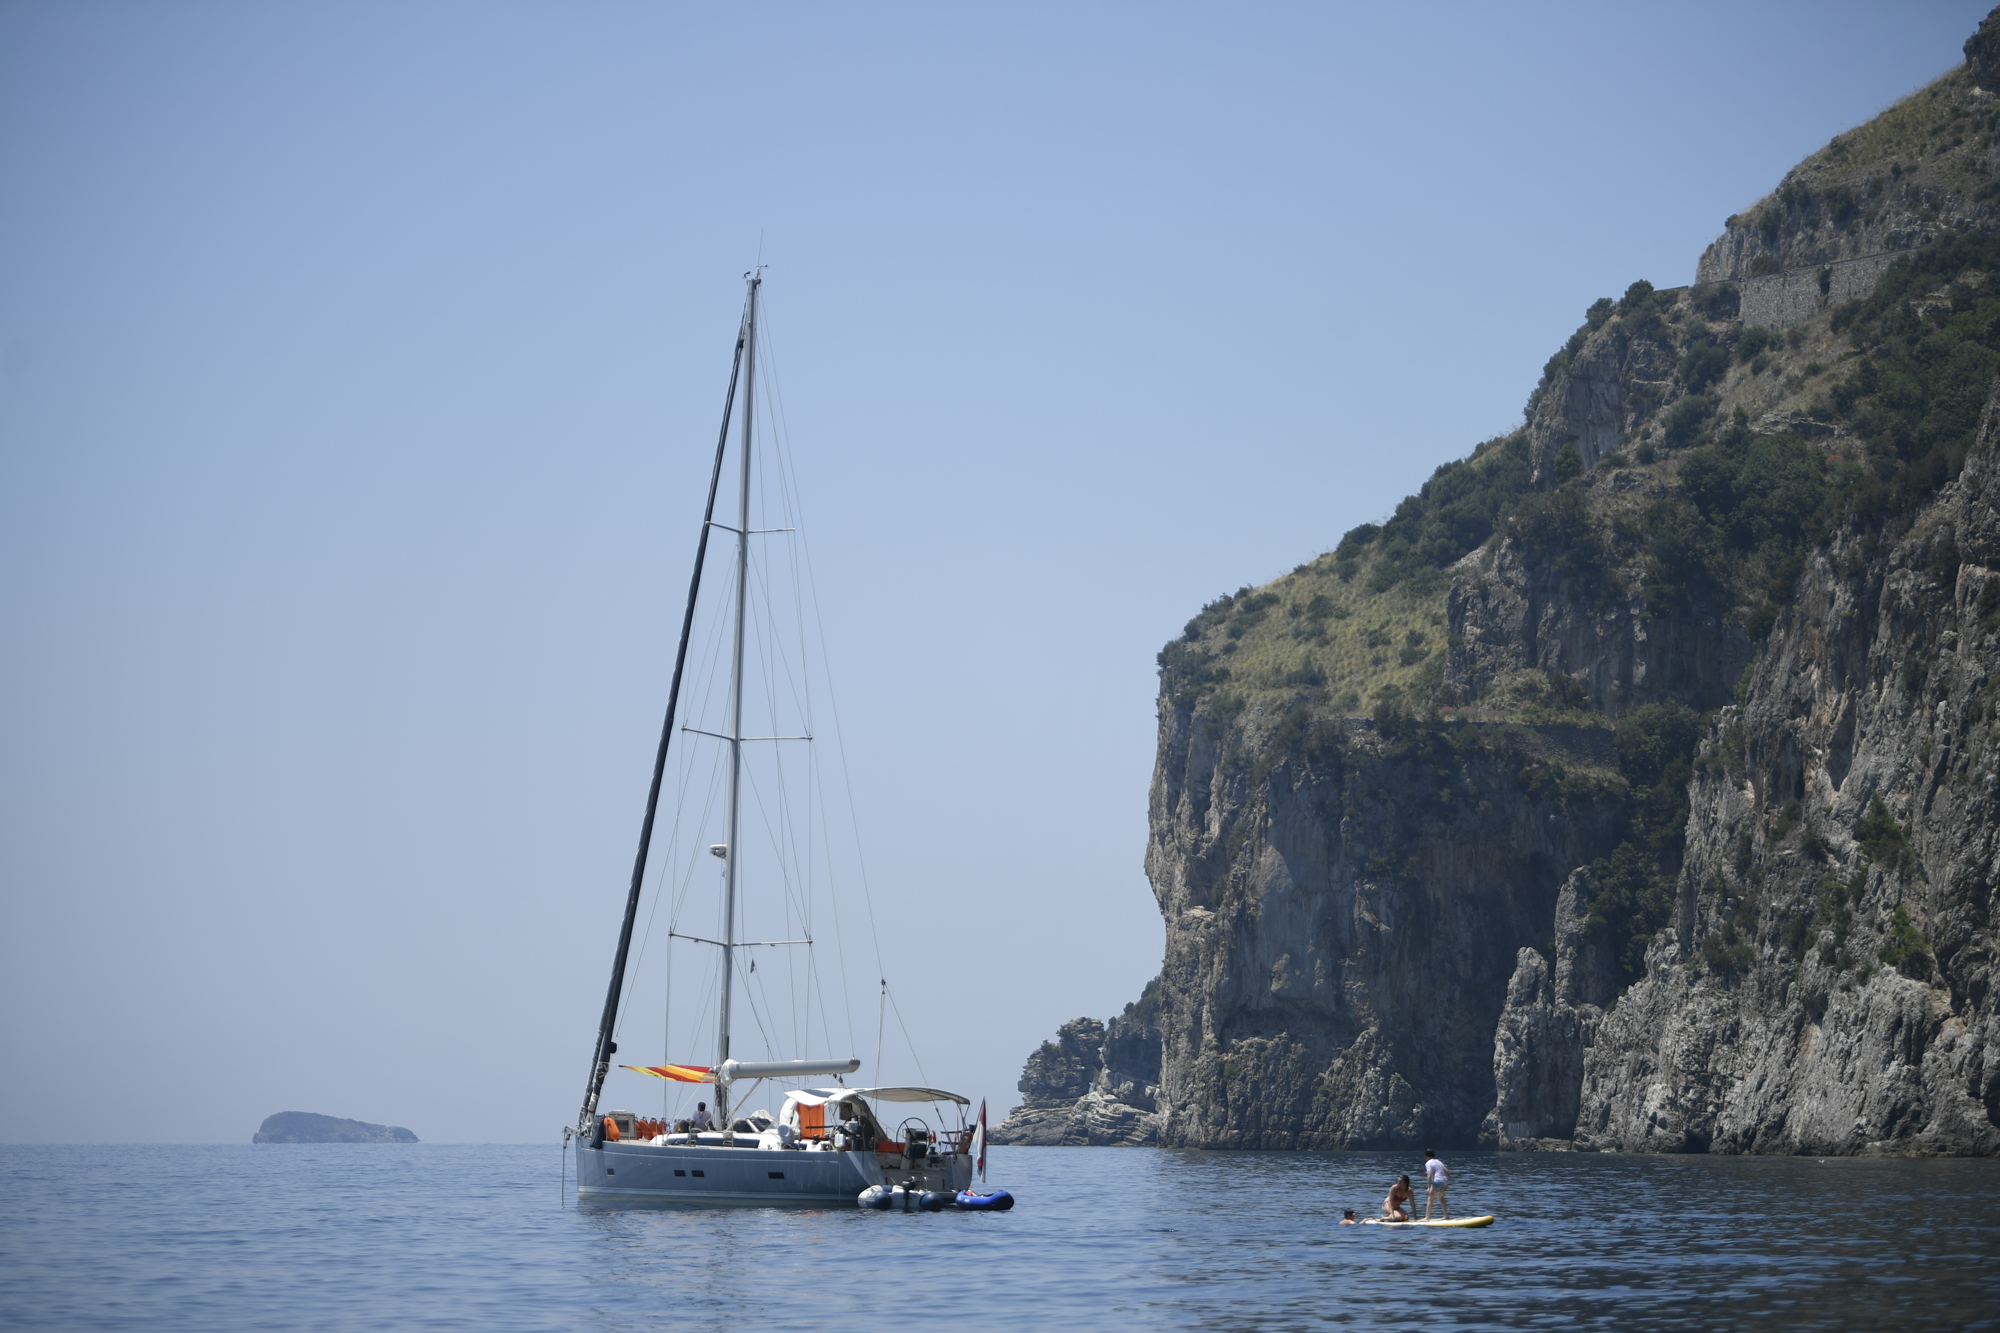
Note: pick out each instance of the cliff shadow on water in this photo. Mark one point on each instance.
(1632, 786)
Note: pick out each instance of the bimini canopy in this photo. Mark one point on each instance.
(821, 1096)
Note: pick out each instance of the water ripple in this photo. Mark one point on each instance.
(448, 1237)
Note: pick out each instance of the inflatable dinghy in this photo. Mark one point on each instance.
(992, 1201)
(1485, 1221)
(896, 1199)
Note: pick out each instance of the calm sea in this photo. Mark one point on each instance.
(119, 1236)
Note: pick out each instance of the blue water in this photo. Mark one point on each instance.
(355, 1237)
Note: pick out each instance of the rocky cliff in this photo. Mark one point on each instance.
(1828, 986)
(1631, 787)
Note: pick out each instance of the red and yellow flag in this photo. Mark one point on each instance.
(675, 1073)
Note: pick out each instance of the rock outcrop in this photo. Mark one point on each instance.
(308, 1127)
(1518, 617)
(1548, 1023)
(1095, 1084)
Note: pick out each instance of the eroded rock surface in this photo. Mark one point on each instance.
(1770, 1020)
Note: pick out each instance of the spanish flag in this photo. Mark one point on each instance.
(675, 1073)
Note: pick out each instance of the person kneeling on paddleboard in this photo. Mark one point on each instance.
(1439, 1178)
(1396, 1208)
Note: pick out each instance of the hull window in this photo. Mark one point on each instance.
(680, 1173)
(775, 1175)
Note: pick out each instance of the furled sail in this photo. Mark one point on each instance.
(675, 1073)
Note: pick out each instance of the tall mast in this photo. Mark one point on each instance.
(600, 1061)
(730, 859)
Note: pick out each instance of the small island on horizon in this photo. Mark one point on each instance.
(309, 1127)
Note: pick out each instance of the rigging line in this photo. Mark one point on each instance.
(757, 795)
(840, 746)
(688, 758)
(667, 1033)
(776, 662)
(780, 421)
(709, 678)
(769, 652)
(788, 486)
(833, 905)
(922, 1077)
(693, 859)
(759, 801)
(645, 941)
(776, 1048)
(879, 1010)
(784, 476)
(750, 1003)
(691, 756)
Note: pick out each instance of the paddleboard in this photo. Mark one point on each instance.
(1485, 1221)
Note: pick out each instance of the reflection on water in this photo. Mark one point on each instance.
(109, 1236)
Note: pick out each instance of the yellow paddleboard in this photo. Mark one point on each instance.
(1485, 1221)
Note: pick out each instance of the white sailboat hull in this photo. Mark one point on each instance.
(680, 1173)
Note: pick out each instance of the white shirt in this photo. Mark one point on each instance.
(703, 1120)
(1434, 1172)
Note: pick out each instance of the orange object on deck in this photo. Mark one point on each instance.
(610, 1130)
(812, 1121)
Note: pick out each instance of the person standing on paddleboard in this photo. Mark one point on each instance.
(1438, 1177)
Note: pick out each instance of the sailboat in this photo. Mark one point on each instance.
(828, 1143)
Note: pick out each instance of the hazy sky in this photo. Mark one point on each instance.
(359, 368)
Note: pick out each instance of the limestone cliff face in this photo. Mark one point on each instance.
(1342, 920)
(1771, 1020)
(1519, 617)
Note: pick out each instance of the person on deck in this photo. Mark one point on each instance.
(702, 1119)
(1396, 1208)
(1438, 1177)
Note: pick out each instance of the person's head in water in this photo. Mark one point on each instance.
(1347, 1216)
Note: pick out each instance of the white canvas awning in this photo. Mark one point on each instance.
(821, 1096)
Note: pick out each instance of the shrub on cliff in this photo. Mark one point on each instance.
(1656, 748)
(1629, 901)
(1452, 514)
(1702, 365)
(1557, 528)
(1881, 837)
(1930, 348)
